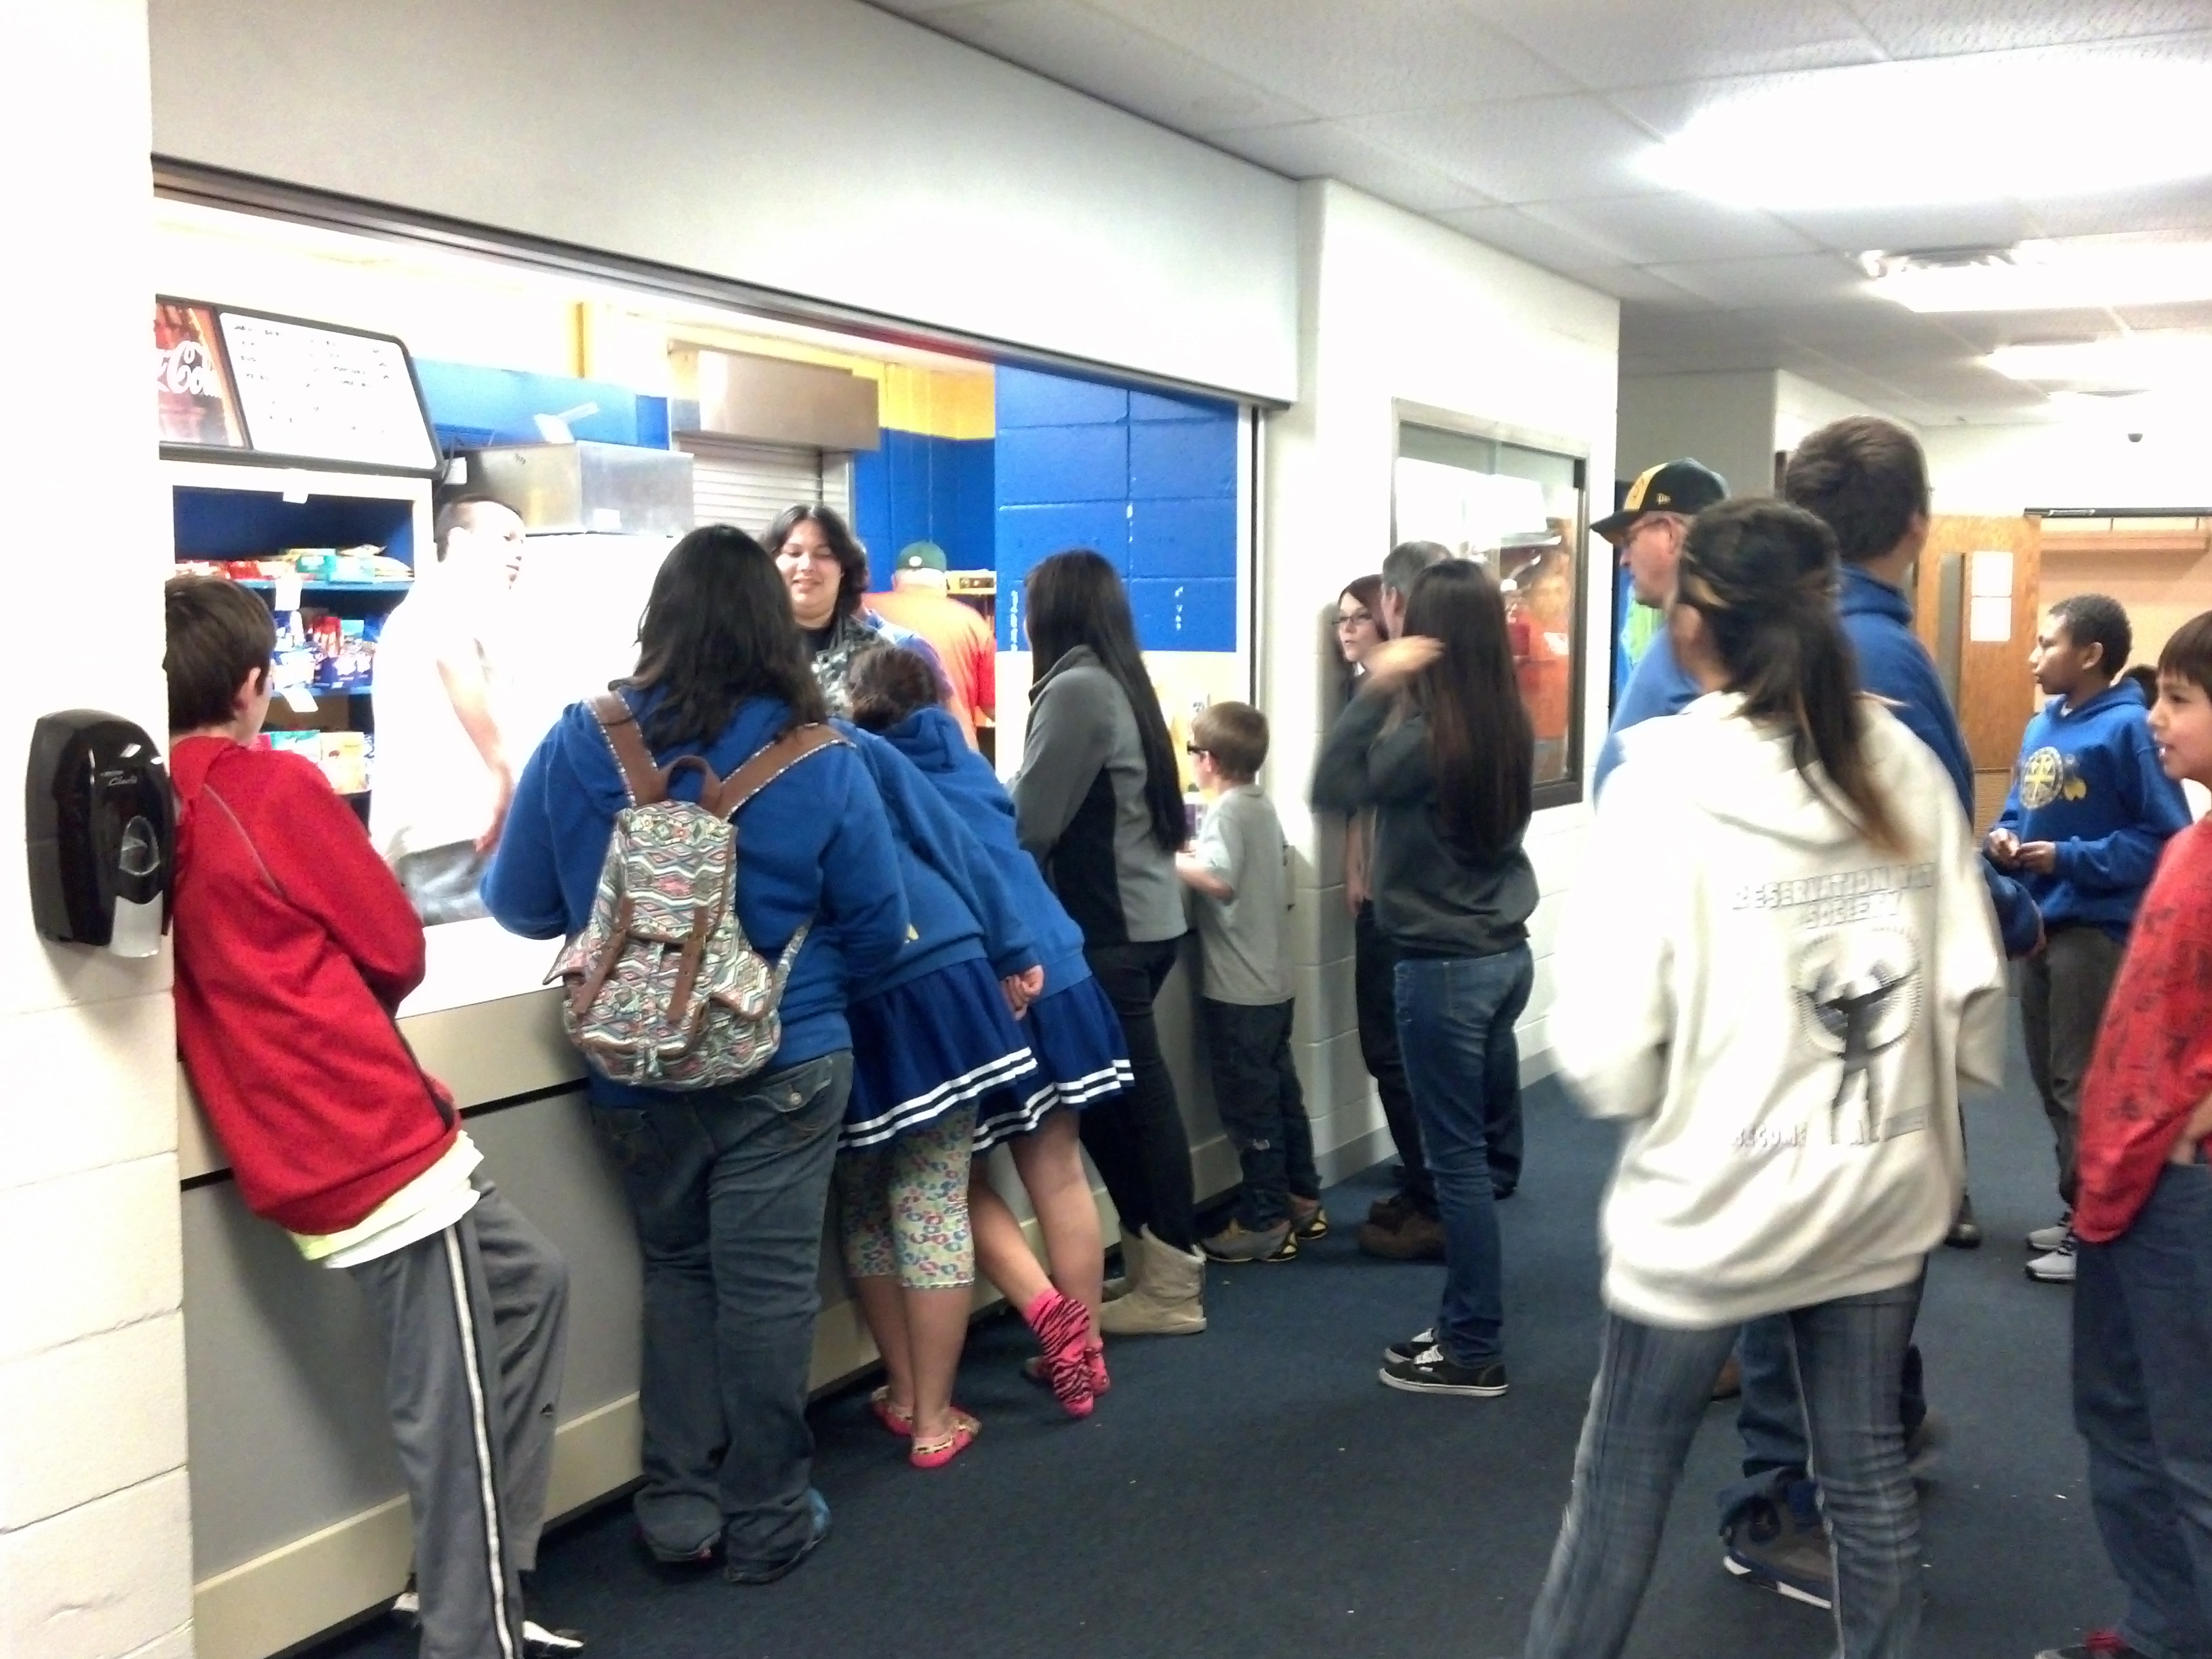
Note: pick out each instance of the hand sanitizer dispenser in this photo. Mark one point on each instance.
(101, 828)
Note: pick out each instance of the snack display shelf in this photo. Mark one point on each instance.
(264, 586)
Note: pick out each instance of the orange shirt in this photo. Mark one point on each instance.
(963, 642)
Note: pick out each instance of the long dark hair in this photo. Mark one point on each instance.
(1076, 598)
(1482, 748)
(717, 630)
(1763, 576)
(851, 557)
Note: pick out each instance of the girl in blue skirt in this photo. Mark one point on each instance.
(935, 1047)
(1071, 1030)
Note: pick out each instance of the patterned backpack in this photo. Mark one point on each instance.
(663, 989)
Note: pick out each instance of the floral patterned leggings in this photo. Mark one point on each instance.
(902, 1206)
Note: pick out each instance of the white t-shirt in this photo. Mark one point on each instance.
(431, 788)
(429, 1204)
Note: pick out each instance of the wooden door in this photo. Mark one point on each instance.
(1987, 675)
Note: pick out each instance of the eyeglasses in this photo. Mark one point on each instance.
(1195, 750)
(1356, 619)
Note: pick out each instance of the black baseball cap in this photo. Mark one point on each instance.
(1686, 486)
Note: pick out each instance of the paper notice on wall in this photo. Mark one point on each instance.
(1990, 575)
(1988, 619)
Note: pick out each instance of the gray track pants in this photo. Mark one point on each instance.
(474, 1320)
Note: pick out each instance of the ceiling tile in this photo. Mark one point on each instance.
(2186, 204)
(1510, 230)
(1973, 224)
(1081, 47)
(1324, 149)
(1783, 280)
(1627, 283)
(1372, 58)
(2148, 318)
(920, 8)
(1540, 149)
(1651, 230)
(1929, 28)
(1632, 43)
(1864, 326)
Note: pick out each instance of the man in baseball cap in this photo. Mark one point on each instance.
(964, 642)
(1647, 532)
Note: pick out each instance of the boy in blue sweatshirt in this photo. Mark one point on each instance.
(2089, 812)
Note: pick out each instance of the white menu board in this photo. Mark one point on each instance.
(326, 394)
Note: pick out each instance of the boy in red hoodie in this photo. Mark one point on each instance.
(2143, 1297)
(294, 946)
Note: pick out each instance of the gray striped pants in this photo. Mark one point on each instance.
(474, 1322)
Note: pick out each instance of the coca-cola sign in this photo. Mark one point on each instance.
(192, 392)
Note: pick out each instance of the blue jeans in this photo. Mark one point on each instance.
(2143, 1346)
(1771, 1418)
(1651, 1392)
(1456, 1019)
(729, 1187)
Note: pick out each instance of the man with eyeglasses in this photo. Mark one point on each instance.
(1647, 533)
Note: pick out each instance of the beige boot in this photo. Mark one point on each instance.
(1133, 1267)
(1167, 1301)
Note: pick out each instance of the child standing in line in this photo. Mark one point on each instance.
(2089, 811)
(2143, 1321)
(1236, 867)
(295, 946)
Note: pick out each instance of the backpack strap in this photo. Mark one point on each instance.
(769, 765)
(646, 782)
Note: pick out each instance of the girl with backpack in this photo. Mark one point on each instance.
(1098, 803)
(935, 1047)
(1070, 1027)
(1777, 967)
(728, 1185)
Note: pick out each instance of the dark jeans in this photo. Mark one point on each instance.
(1777, 1454)
(1652, 1389)
(1136, 1138)
(728, 1188)
(1456, 1019)
(2062, 1003)
(2142, 1347)
(1374, 988)
(1256, 1090)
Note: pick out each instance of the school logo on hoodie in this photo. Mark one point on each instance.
(2047, 775)
(1858, 995)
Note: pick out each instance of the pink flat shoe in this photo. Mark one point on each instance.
(898, 1422)
(936, 1454)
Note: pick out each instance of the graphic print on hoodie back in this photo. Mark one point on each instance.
(1786, 1027)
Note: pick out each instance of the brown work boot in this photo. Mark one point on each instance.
(1416, 1238)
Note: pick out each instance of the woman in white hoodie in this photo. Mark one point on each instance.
(1777, 967)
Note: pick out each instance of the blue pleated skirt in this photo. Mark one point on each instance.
(1080, 1056)
(935, 1042)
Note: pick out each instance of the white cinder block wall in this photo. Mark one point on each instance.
(1395, 309)
(95, 1551)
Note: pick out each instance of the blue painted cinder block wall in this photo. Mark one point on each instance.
(918, 488)
(1146, 480)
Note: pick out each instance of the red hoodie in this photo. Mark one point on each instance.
(2153, 1061)
(294, 944)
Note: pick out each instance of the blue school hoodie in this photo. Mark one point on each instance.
(2089, 781)
(1893, 664)
(957, 917)
(933, 740)
(813, 846)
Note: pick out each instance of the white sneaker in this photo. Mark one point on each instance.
(2056, 1267)
(2044, 1240)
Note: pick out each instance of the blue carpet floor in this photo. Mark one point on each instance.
(1255, 1491)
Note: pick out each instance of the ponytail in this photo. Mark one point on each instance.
(1762, 575)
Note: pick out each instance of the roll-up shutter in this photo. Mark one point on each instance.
(748, 485)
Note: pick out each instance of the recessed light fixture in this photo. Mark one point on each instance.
(2033, 124)
(2089, 274)
(2168, 360)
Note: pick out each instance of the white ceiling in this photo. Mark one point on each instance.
(1520, 122)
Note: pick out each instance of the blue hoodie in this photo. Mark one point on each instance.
(1893, 664)
(814, 845)
(961, 911)
(933, 740)
(2089, 781)
(1659, 687)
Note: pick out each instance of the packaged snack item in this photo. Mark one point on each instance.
(345, 762)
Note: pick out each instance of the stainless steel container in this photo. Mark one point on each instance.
(586, 488)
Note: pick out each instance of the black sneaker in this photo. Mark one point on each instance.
(1405, 1353)
(1769, 1547)
(539, 1642)
(1429, 1372)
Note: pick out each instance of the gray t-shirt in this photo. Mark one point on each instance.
(1241, 841)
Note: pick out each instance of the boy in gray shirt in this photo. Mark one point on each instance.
(1236, 868)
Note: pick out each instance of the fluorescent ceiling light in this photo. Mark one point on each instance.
(2093, 274)
(1971, 129)
(2169, 361)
